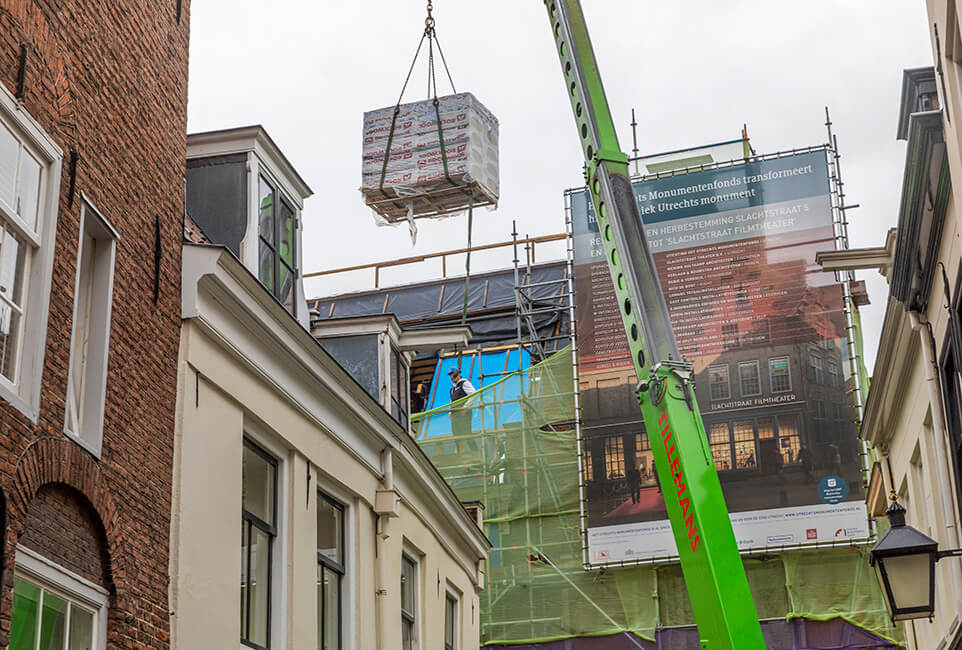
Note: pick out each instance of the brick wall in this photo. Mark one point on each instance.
(108, 80)
(61, 523)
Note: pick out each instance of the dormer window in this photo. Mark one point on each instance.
(928, 96)
(377, 353)
(400, 383)
(277, 224)
(244, 195)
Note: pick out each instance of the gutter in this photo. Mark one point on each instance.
(387, 506)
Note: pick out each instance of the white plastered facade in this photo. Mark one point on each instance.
(247, 368)
(906, 401)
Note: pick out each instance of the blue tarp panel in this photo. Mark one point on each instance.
(500, 405)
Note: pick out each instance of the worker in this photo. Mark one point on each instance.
(634, 483)
(461, 414)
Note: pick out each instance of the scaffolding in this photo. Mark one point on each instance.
(514, 446)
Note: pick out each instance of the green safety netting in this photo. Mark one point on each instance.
(512, 446)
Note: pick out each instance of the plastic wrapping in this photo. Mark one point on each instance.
(415, 182)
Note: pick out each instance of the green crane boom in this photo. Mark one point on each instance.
(710, 561)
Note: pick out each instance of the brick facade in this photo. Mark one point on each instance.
(107, 80)
(61, 523)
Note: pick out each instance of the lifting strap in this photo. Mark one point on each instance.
(467, 283)
(432, 37)
(467, 263)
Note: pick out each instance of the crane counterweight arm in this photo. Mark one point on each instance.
(713, 569)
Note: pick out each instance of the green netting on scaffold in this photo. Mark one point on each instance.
(512, 446)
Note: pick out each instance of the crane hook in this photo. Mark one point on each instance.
(429, 21)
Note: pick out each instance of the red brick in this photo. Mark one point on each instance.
(109, 80)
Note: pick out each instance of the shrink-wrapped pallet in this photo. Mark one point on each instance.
(413, 183)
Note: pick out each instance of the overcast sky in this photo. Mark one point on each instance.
(694, 72)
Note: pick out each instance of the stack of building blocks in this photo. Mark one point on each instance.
(403, 169)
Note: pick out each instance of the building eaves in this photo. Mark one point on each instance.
(898, 347)
(245, 138)
(355, 325)
(922, 207)
(250, 296)
(913, 79)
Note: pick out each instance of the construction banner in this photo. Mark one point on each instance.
(766, 332)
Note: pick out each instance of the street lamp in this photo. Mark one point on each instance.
(904, 560)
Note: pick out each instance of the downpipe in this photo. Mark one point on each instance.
(381, 536)
(939, 442)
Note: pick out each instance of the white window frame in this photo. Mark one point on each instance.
(23, 393)
(414, 557)
(90, 433)
(51, 576)
(788, 373)
(348, 589)
(250, 244)
(815, 363)
(741, 380)
(454, 594)
(280, 605)
(728, 382)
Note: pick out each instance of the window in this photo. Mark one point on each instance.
(730, 336)
(450, 621)
(277, 240)
(788, 439)
(54, 609)
(832, 368)
(920, 515)
(641, 442)
(409, 603)
(13, 269)
(718, 382)
(721, 449)
(744, 436)
(43, 620)
(89, 340)
(815, 369)
(748, 378)
(29, 187)
(644, 459)
(258, 531)
(614, 457)
(766, 428)
(20, 173)
(330, 571)
(741, 297)
(778, 375)
(399, 387)
(952, 385)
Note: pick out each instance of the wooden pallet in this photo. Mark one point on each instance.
(438, 202)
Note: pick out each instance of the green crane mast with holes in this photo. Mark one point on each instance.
(710, 561)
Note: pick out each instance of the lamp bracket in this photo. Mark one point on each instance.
(956, 552)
